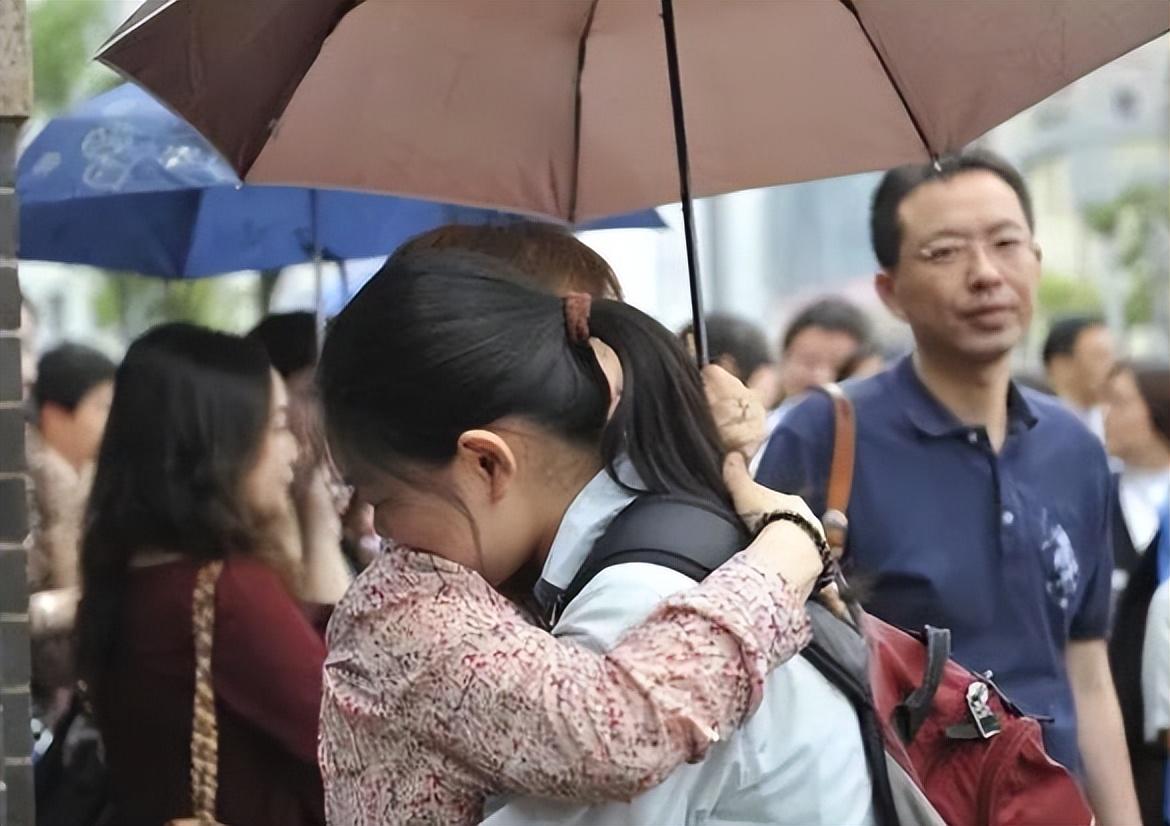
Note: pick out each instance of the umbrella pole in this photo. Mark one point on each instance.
(344, 278)
(318, 276)
(684, 183)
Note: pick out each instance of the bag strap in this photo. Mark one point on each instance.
(911, 713)
(204, 725)
(683, 533)
(840, 486)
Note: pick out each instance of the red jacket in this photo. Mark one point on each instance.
(266, 664)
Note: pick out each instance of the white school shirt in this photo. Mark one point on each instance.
(799, 760)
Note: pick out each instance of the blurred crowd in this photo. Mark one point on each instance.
(1028, 515)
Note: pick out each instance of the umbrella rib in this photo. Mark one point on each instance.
(852, 7)
(576, 172)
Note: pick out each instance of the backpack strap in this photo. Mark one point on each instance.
(683, 533)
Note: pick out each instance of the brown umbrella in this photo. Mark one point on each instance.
(564, 107)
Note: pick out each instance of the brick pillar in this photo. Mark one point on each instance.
(16, 779)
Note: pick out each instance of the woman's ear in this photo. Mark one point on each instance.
(485, 459)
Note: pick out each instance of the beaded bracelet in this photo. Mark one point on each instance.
(828, 568)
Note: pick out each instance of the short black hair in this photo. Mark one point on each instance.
(290, 339)
(834, 314)
(885, 231)
(67, 373)
(1064, 334)
(729, 335)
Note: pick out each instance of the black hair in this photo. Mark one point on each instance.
(67, 373)
(190, 410)
(290, 339)
(884, 228)
(440, 342)
(834, 314)
(1064, 334)
(729, 335)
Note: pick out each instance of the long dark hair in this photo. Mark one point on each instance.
(189, 413)
(441, 342)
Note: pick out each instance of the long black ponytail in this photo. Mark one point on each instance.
(441, 342)
(662, 422)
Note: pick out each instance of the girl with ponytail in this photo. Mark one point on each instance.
(473, 413)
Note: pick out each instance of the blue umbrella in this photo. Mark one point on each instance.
(121, 182)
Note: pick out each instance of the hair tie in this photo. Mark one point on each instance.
(577, 307)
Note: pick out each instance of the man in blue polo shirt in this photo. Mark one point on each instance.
(977, 505)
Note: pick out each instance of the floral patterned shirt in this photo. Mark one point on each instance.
(437, 691)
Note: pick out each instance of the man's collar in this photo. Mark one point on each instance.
(932, 418)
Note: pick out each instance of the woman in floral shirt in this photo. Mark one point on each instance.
(437, 689)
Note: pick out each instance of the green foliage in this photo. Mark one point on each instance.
(65, 35)
(1060, 295)
(1134, 223)
(132, 304)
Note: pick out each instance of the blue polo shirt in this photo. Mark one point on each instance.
(1010, 551)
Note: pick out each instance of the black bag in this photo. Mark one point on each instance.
(72, 785)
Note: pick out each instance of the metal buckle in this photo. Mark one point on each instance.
(978, 703)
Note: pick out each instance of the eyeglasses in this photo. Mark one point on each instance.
(1006, 249)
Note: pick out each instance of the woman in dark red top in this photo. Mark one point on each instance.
(196, 465)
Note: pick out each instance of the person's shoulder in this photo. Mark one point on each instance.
(1050, 409)
(809, 416)
(635, 584)
(402, 586)
(1057, 422)
(250, 591)
(615, 600)
(814, 414)
(249, 575)
(877, 388)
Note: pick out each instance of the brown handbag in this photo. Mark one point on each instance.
(204, 726)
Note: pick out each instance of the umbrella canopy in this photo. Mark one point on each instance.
(564, 108)
(122, 182)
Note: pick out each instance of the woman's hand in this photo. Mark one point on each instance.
(783, 547)
(754, 501)
(737, 411)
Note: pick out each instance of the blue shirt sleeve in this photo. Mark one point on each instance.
(799, 452)
(1091, 620)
